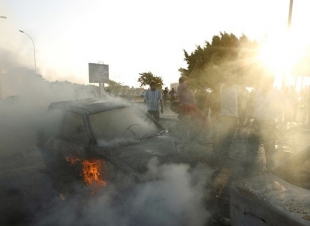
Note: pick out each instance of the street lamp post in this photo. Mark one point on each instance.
(34, 52)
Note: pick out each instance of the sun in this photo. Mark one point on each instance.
(280, 53)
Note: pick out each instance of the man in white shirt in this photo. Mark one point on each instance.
(228, 118)
(267, 104)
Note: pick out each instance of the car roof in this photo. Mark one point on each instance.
(90, 106)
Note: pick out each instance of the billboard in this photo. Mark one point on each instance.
(98, 73)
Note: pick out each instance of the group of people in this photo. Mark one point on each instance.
(236, 110)
(168, 95)
(227, 113)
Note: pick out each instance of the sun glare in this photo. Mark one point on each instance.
(280, 53)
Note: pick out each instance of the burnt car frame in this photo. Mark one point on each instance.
(121, 134)
(278, 197)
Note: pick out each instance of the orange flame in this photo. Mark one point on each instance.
(91, 170)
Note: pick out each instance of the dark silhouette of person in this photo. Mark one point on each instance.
(172, 95)
(165, 95)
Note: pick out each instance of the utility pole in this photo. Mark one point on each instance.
(290, 15)
(288, 29)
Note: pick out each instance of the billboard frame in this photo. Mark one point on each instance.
(98, 73)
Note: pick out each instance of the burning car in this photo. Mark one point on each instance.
(278, 197)
(94, 140)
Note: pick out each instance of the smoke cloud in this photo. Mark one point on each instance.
(25, 98)
(176, 197)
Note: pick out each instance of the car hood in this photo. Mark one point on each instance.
(276, 195)
(164, 147)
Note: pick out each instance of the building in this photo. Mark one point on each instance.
(174, 85)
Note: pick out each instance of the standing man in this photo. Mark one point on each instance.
(165, 95)
(200, 124)
(172, 95)
(151, 98)
(213, 107)
(267, 104)
(187, 97)
(201, 97)
(228, 117)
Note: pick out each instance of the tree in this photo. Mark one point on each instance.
(114, 87)
(225, 55)
(146, 78)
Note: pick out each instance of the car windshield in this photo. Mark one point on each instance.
(123, 123)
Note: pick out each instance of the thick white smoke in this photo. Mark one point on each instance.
(176, 197)
(25, 98)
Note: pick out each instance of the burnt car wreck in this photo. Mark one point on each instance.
(96, 141)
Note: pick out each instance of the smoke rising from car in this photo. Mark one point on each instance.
(25, 97)
(176, 197)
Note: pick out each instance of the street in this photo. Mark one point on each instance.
(27, 187)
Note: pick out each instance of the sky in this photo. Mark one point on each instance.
(132, 36)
